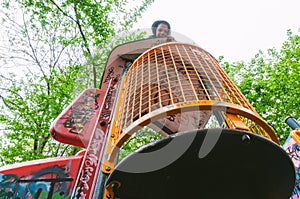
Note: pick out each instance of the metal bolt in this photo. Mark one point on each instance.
(108, 196)
(107, 168)
(102, 123)
(114, 185)
(112, 135)
(246, 139)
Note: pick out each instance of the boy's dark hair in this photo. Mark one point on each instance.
(156, 23)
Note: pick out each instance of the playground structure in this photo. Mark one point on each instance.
(214, 145)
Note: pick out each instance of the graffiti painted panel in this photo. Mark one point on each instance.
(75, 125)
(91, 162)
(293, 150)
(42, 179)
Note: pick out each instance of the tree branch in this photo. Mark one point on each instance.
(61, 10)
(33, 49)
(81, 31)
(76, 21)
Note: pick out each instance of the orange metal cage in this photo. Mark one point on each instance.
(177, 78)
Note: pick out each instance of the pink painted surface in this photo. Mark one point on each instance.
(293, 150)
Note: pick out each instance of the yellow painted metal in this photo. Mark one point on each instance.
(237, 122)
(296, 135)
(108, 192)
(177, 78)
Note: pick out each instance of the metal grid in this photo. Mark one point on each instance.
(174, 73)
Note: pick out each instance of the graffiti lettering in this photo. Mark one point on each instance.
(109, 75)
(295, 193)
(108, 103)
(171, 118)
(82, 113)
(105, 114)
(50, 182)
(293, 151)
(92, 159)
(91, 162)
(93, 154)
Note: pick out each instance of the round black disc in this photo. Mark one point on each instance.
(206, 164)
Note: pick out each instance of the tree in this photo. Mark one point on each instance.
(271, 83)
(53, 43)
(31, 106)
(137, 140)
(84, 25)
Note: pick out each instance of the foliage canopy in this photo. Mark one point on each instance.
(61, 46)
(53, 49)
(271, 83)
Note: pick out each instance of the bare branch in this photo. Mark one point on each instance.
(11, 91)
(33, 49)
(6, 78)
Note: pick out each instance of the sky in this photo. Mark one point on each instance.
(235, 29)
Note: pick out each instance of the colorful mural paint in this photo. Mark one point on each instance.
(293, 150)
(45, 179)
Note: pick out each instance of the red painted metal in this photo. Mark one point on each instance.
(47, 178)
(91, 164)
(76, 123)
